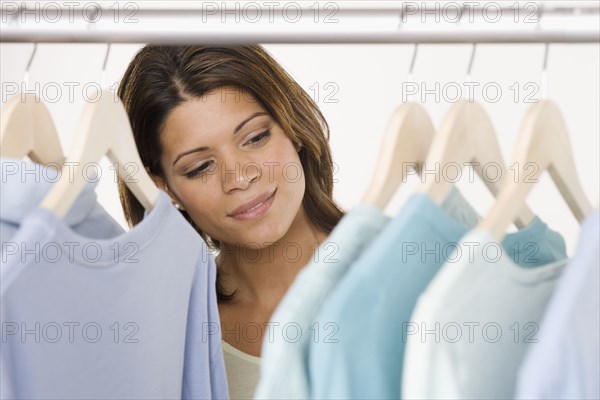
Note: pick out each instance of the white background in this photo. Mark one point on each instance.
(365, 84)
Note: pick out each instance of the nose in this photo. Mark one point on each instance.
(238, 175)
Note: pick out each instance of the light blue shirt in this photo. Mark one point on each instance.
(565, 361)
(284, 369)
(369, 308)
(24, 186)
(131, 316)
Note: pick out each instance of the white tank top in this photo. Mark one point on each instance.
(242, 372)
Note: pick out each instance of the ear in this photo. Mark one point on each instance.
(158, 181)
(162, 184)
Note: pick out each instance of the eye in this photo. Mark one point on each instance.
(198, 171)
(259, 138)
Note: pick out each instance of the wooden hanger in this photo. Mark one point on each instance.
(103, 129)
(406, 140)
(467, 136)
(543, 144)
(27, 129)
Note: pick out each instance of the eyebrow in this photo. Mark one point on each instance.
(236, 130)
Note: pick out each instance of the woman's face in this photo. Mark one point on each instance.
(232, 168)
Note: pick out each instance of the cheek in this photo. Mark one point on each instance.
(292, 173)
(201, 200)
(287, 162)
(290, 178)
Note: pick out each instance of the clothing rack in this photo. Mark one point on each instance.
(87, 26)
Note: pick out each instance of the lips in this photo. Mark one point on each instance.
(254, 208)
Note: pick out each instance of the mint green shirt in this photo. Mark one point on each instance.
(370, 308)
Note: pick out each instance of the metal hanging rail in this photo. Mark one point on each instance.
(230, 38)
(17, 27)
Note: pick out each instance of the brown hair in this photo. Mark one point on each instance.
(159, 78)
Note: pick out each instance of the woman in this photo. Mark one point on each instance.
(243, 152)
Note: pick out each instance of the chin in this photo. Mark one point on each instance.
(262, 239)
(262, 235)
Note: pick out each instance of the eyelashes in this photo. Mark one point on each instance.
(255, 141)
(258, 138)
(195, 172)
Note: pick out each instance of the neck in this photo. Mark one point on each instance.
(261, 276)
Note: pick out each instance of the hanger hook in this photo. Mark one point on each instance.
(471, 60)
(412, 61)
(103, 73)
(26, 73)
(473, 48)
(546, 49)
(410, 77)
(544, 73)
